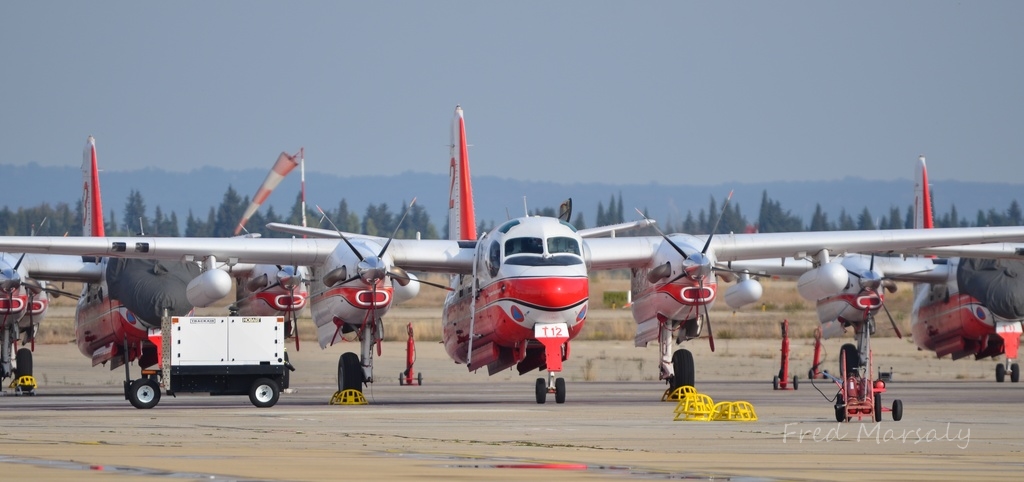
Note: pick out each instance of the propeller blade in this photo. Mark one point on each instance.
(894, 328)
(343, 238)
(720, 216)
(428, 283)
(707, 317)
(16, 265)
(655, 226)
(397, 227)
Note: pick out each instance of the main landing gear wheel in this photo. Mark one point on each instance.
(24, 360)
(849, 353)
(542, 390)
(682, 366)
(1015, 373)
(264, 392)
(144, 393)
(350, 372)
(1000, 373)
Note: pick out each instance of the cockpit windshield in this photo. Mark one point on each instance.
(561, 251)
(524, 246)
(561, 244)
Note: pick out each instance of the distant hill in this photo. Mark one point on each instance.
(496, 198)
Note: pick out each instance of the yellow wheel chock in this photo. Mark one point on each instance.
(699, 407)
(679, 393)
(24, 384)
(348, 397)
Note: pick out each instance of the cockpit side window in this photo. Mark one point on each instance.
(524, 246)
(561, 244)
(494, 258)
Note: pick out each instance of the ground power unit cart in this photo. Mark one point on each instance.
(220, 355)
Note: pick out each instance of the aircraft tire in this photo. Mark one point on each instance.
(559, 390)
(541, 390)
(878, 407)
(24, 360)
(350, 372)
(144, 393)
(1000, 373)
(848, 352)
(682, 365)
(1014, 373)
(264, 392)
(897, 410)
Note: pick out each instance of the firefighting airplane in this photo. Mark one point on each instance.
(123, 298)
(520, 293)
(962, 306)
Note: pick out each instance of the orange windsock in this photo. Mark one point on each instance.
(285, 163)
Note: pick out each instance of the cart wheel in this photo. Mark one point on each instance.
(419, 378)
(542, 390)
(264, 392)
(840, 413)
(897, 410)
(1000, 373)
(401, 379)
(810, 374)
(794, 382)
(878, 407)
(144, 393)
(1015, 373)
(775, 382)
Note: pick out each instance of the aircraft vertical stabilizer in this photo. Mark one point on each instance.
(285, 163)
(922, 198)
(92, 207)
(461, 218)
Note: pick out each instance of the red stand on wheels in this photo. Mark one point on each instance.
(406, 377)
(780, 382)
(815, 371)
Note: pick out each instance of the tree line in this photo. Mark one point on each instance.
(382, 220)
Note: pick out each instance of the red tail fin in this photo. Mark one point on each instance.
(461, 217)
(285, 163)
(92, 206)
(922, 198)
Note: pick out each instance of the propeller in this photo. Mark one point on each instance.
(372, 269)
(871, 280)
(696, 266)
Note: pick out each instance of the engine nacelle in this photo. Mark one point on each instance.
(208, 288)
(822, 282)
(407, 292)
(743, 293)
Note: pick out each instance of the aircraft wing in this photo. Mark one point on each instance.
(457, 256)
(612, 229)
(416, 255)
(996, 250)
(58, 267)
(914, 269)
(732, 247)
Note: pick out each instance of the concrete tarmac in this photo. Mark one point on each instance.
(958, 423)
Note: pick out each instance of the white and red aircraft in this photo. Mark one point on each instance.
(962, 306)
(520, 293)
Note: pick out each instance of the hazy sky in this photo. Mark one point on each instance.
(621, 92)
